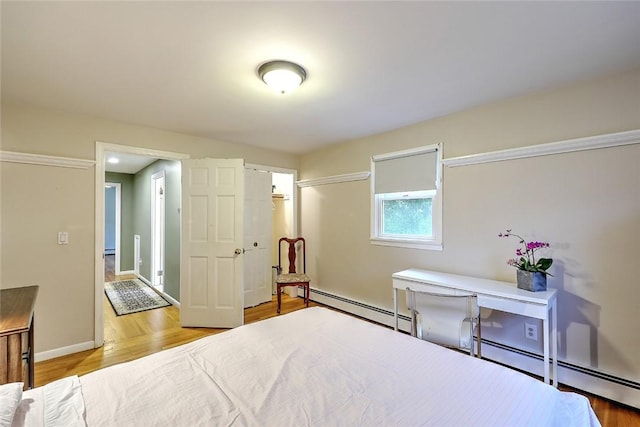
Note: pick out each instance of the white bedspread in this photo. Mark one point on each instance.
(316, 367)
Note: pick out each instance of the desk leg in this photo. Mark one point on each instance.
(395, 308)
(554, 344)
(545, 328)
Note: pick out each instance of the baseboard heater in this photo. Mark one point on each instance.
(596, 382)
(566, 365)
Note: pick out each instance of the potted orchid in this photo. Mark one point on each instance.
(532, 272)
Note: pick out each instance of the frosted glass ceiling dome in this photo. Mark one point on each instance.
(282, 76)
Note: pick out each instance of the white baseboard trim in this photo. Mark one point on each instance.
(63, 351)
(144, 279)
(168, 297)
(366, 311)
(89, 345)
(590, 380)
(122, 273)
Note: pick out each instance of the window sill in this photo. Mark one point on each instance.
(411, 244)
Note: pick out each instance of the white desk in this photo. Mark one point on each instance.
(495, 295)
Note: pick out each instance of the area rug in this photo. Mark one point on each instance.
(132, 296)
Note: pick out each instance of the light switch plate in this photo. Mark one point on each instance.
(63, 238)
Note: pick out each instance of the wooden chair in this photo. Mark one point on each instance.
(292, 278)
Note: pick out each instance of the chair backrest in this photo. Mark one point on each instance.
(445, 319)
(291, 253)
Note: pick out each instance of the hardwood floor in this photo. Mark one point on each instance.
(135, 335)
(140, 334)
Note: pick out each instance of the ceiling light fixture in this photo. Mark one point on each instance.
(113, 160)
(282, 76)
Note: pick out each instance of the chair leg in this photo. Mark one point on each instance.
(307, 291)
(479, 339)
(278, 292)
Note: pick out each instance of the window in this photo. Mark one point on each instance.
(407, 214)
(406, 198)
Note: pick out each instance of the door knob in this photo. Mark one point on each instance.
(239, 251)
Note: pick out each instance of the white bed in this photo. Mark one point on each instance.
(313, 367)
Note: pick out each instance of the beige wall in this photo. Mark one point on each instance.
(586, 204)
(589, 210)
(38, 201)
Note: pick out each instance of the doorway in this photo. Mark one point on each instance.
(102, 149)
(257, 237)
(284, 225)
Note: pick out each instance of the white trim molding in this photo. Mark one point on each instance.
(406, 153)
(169, 298)
(140, 151)
(334, 179)
(357, 308)
(63, 351)
(165, 295)
(45, 160)
(568, 146)
(411, 244)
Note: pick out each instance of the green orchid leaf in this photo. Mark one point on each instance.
(544, 263)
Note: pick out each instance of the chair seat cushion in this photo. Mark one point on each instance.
(292, 278)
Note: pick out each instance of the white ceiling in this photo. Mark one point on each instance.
(127, 163)
(190, 67)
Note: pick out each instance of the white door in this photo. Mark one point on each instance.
(257, 237)
(211, 267)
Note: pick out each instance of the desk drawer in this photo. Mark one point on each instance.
(539, 311)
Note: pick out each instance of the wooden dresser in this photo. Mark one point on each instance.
(16, 335)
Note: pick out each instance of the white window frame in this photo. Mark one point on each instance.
(433, 242)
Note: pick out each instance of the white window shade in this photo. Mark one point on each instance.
(406, 171)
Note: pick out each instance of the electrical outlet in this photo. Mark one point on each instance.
(531, 331)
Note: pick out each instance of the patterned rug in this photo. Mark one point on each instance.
(132, 296)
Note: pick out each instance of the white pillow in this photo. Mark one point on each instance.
(64, 404)
(10, 398)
